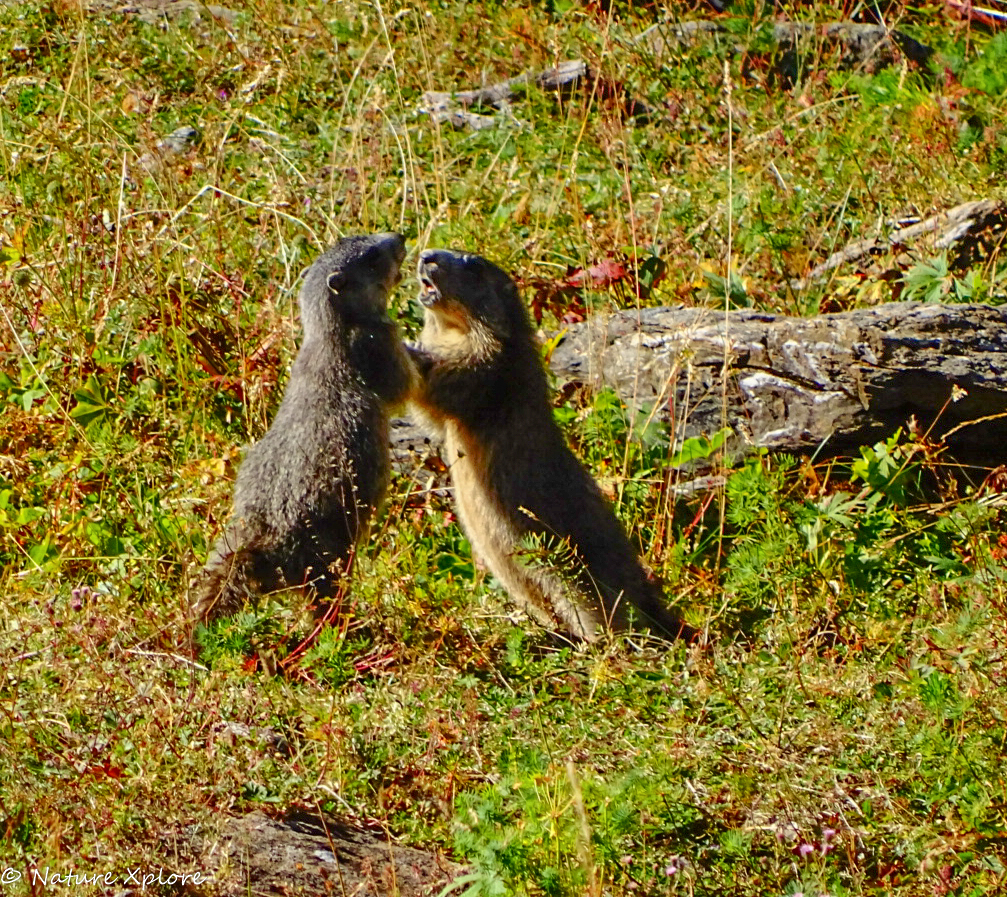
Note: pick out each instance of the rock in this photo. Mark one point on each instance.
(179, 141)
(155, 12)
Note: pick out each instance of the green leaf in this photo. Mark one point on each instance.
(988, 72)
(29, 395)
(92, 404)
(698, 447)
(40, 552)
(928, 282)
(28, 515)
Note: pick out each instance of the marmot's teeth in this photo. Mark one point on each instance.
(429, 294)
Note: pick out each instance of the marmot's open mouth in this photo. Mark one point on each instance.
(429, 294)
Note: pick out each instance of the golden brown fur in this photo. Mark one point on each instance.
(484, 388)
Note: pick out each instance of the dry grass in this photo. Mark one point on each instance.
(148, 320)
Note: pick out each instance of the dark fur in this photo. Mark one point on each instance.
(485, 387)
(307, 490)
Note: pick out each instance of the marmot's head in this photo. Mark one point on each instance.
(351, 282)
(469, 297)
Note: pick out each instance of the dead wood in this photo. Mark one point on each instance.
(568, 72)
(157, 12)
(991, 19)
(310, 854)
(454, 108)
(967, 224)
(830, 383)
(861, 45)
(835, 381)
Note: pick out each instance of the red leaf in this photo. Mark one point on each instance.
(603, 274)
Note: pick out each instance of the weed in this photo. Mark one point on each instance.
(843, 730)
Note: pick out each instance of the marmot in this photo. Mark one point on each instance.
(307, 490)
(484, 387)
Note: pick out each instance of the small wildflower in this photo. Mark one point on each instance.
(827, 846)
(786, 831)
(78, 596)
(805, 848)
(675, 865)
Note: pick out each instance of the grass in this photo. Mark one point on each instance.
(843, 731)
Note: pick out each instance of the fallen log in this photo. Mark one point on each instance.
(833, 382)
(306, 853)
(454, 108)
(861, 45)
(830, 383)
(967, 223)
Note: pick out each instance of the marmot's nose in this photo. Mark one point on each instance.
(397, 243)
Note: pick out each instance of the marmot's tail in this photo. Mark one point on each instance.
(658, 616)
(674, 626)
(228, 580)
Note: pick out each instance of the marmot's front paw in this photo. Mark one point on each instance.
(421, 359)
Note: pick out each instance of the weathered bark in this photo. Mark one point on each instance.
(156, 12)
(832, 382)
(453, 108)
(861, 45)
(991, 19)
(837, 381)
(309, 855)
(968, 224)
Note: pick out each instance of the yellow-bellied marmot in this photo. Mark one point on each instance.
(484, 387)
(307, 490)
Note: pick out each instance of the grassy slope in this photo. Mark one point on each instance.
(854, 680)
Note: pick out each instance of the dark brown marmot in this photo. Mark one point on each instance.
(484, 387)
(307, 490)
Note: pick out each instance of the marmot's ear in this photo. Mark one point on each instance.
(337, 280)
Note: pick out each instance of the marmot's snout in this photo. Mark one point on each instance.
(395, 245)
(431, 265)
